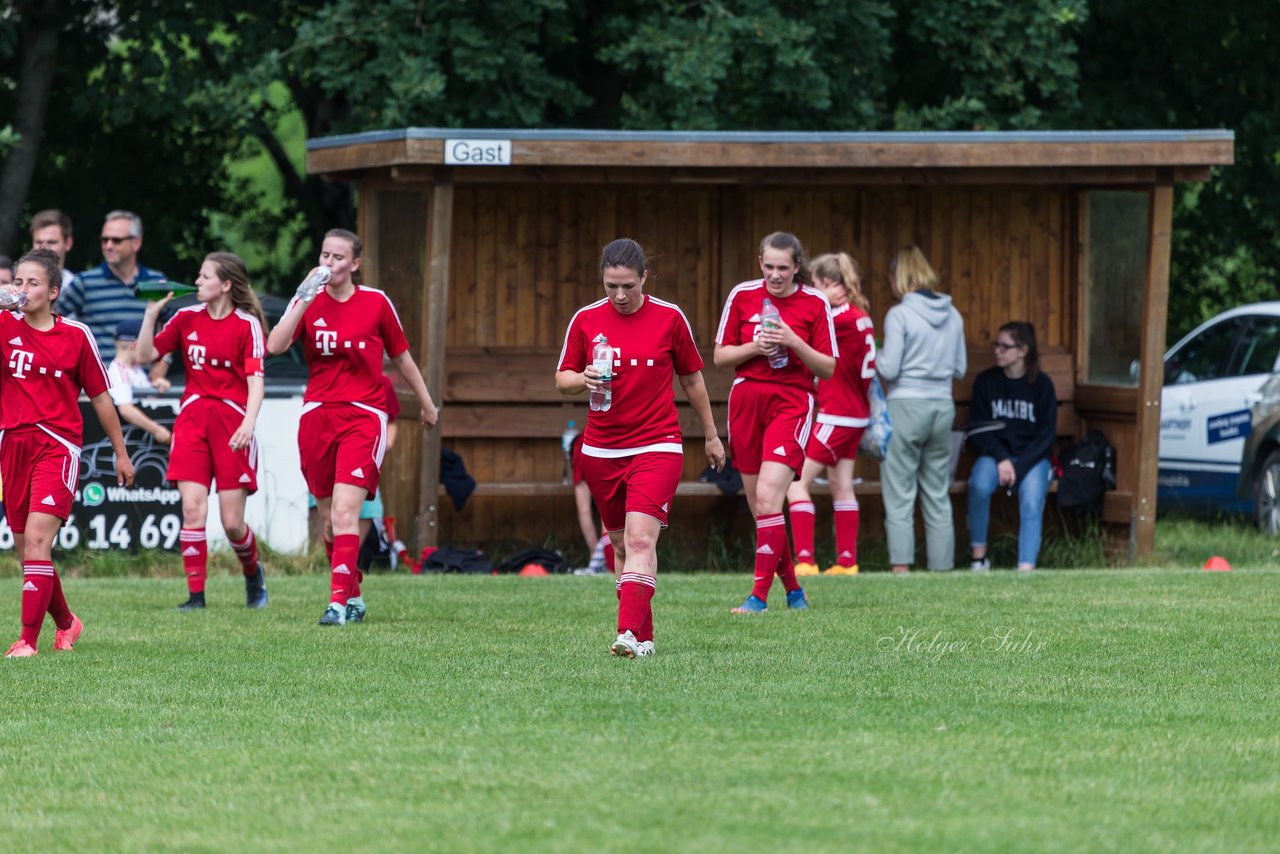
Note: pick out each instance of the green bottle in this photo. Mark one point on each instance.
(153, 291)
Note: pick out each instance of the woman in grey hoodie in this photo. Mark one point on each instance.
(923, 352)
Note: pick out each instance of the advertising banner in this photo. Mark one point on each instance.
(148, 515)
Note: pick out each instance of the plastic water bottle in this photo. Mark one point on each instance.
(11, 298)
(312, 284)
(770, 318)
(602, 358)
(566, 444)
(320, 277)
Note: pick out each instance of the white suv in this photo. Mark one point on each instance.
(1213, 380)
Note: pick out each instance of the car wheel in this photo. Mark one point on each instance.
(1266, 495)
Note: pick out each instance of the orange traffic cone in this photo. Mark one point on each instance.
(1217, 564)
(533, 569)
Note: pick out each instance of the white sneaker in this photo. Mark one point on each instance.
(645, 648)
(981, 564)
(626, 645)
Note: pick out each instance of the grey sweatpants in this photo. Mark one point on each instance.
(918, 458)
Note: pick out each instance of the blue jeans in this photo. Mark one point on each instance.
(1032, 489)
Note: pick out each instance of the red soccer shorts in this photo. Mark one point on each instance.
(341, 443)
(201, 451)
(768, 422)
(642, 483)
(830, 443)
(39, 474)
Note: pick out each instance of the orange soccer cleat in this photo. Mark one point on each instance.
(840, 569)
(20, 649)
(64, 641)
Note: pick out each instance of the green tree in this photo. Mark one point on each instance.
(985, 64)
(753, 65)
(1192, 65)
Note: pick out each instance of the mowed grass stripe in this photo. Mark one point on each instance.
(1113, 709)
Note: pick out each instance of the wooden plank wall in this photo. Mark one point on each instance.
(525, 258)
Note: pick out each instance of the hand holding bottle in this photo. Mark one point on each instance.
(11, 298)
(156, 306)
(774, 336)
(311, 285)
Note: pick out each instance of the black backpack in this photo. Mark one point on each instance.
(449, 559)
(1088, 472)
(552, 562)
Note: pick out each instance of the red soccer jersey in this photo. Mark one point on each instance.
(806, 311)
(42, 373)
(343, 343)
(220, 354)
(650, 347)
(842, 400)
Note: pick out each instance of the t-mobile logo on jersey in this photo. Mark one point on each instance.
(20, 362)
(196, 356)
(326, 341)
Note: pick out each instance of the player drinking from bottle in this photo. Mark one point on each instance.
(770, 407)
(45, 362)
(632, 452)
(221, 339)
(342, 436)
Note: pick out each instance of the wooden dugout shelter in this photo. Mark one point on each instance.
(488, 241)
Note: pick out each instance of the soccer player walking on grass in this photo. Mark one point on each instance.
(843, 415)
(632, 453)
(222, 341)
(45, 362)
(345, 327)
(770, 407)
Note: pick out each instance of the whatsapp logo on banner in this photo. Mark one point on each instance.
(94, 495)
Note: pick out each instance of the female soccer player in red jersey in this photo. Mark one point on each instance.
(221, 340)
(632, 453)
(843, 410)
(770, 408)
(45, 361)
(342, 436)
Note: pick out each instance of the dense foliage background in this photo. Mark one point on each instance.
(195, 114)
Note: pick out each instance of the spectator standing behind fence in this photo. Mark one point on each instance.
(107, 294)
(1018, 394)
(51, 229)
(770, 407)
(632, 451)
(843, 415)
(924, 351)
(128, 378)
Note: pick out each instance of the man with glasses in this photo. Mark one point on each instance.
(107, 294)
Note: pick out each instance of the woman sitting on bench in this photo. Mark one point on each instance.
(1021, 396)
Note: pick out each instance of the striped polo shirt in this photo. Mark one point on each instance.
(99, 300)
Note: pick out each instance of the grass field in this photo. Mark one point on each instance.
(1124, 710)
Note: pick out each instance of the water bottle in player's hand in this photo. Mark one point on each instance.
(11, 298)
(771, 319)
(602, 358)
(312, 284)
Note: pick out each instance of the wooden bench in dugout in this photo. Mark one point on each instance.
(509, 393)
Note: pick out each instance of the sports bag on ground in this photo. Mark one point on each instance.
(1088, 472)
(551, 561)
